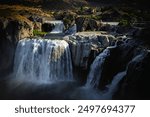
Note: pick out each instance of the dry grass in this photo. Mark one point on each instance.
(11, 10)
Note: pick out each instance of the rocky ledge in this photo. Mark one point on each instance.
(11, 30)
(85, 46)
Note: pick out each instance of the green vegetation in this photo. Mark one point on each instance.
(39, 33)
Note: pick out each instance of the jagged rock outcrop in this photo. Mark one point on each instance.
(85, 47)
(110, 62)
(83, 43)
(15, 30)
(116, 62)
(125, 57)
(10, 32)
(86, 24)
(135, 83)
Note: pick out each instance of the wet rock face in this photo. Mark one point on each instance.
(84, 49)
(136, 82)
(127, 57)
(10, 32)
(116, 62)
(83, 44)
(110, 62)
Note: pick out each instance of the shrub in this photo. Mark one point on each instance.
(39, 33)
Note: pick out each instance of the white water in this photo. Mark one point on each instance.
(94, 76)
(114, 85)
(103, 95)
(96, 69)
(111, 23)
(59, 26)
(50, 60)
(43, 60)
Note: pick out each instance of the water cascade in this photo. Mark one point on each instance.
(58, 26)
(94, 76)
(43, 60)
(114, 85)
(96, 69)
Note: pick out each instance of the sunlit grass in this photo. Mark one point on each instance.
(39, 33)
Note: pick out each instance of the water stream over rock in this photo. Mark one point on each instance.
(58, 26)
(43, 60)
(43, 68)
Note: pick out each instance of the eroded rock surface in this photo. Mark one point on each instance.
(10, 32)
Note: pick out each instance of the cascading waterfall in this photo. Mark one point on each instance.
(96, 69)
(43, 67)
(58, 26)
(114, 85)
(43, 60)
(95, 75)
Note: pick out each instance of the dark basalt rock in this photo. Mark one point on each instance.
(79, 22)
(116, 62)
(47, 27)
(84, 24)
(10, 32)
(136, 82)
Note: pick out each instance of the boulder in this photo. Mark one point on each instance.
(85, 46)
(86, 24)
(83, 43)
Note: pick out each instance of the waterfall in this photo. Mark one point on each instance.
(43, 60)
(94, 76)
(96, 69)
(114, 85)
(72, 30)
(58, 26)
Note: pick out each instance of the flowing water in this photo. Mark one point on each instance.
(112, 88)
(43, 60)
(58, 26)
(96, 69)
(43, 70)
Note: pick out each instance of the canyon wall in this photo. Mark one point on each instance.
(11, 31)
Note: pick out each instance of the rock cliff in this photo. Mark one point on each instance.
(85, 46)
(11, 31)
